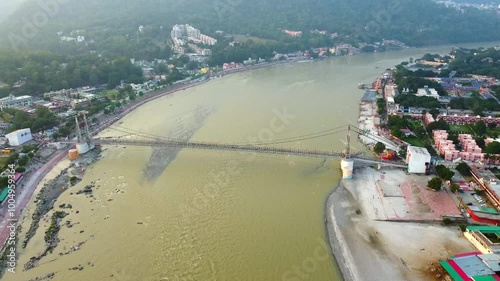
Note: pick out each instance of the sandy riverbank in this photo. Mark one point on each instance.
(365, 246)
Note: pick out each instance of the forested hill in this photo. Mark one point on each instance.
(416, 23)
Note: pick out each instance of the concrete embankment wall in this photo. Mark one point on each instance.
(336, 239)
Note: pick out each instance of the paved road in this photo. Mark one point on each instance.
(24, 195)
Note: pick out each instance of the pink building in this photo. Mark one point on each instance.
(227, 66)
(471, 151)
(445, 146)
(452, 119)
(428, 118)
(293, 33)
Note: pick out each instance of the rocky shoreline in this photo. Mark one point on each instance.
(45, 200)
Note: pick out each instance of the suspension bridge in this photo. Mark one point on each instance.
(137, 138)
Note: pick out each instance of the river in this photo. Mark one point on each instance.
(217, 215)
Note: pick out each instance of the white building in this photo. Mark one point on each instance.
(12, 101)
(427, 92)
(19, 137)
(418, 158)
(391, 105)
(192, 32)
(178, 31)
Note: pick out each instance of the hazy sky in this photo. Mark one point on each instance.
(7, 7)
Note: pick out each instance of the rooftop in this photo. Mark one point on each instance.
(11, 97)
(472, 266)
(484, 228)
(369, 96)
(18, 131)
(418, 150)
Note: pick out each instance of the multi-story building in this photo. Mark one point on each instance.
(19, 137)
(418, 159)
(207, 39)
(428, 118)
(192, 32)
(178, 31)
(470, 150)
(12, 101)
(484, 238)
(445, 146)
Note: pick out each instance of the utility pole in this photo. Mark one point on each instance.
(348, 149)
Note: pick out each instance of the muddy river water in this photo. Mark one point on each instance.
(169, 214)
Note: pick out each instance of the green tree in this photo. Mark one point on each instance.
(4, 181)
(379, 148)
(480, 127)
(435, 183)
(64, 131)
(23, 161)
(28, 148)
(463, 169)
(438, 125)
(12, 158)
(192, 65)
(444, 173)
(454, 187)
(434, 112)
(493, 148)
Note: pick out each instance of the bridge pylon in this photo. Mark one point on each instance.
(347, 164)
(85, 141)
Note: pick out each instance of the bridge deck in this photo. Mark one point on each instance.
(236, 147)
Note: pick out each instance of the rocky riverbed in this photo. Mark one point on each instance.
(45, 200)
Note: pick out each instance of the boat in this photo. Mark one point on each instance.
(361, 86)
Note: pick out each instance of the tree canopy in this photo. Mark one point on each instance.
(463, 168)
(42, 120)
(112, 25)
(480, 127)
(42, 71)
(475, 61)
(410, 100)
(438, 125)
(379, 148)
(444, 172)
(493, 148)
(454, 187)
(415, 83)
(435, 183)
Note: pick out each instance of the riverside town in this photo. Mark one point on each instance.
(249, 140)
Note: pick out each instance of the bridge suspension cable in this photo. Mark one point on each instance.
(319, 134)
